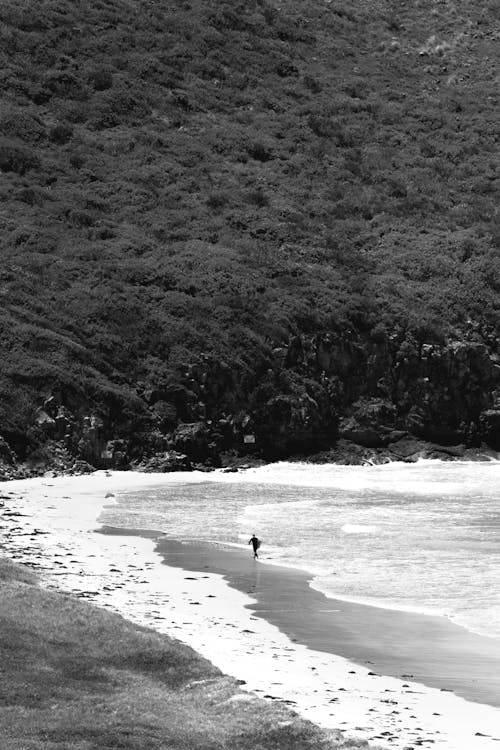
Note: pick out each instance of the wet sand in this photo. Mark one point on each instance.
(422, 648)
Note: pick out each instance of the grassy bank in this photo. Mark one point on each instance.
(76, 676)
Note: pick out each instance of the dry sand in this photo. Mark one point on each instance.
(271, 631)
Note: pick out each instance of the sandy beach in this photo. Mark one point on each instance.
(425, 645)
(335, 663)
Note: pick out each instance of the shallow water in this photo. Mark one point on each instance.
(423, 537)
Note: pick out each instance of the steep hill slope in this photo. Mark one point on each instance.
(262, 218)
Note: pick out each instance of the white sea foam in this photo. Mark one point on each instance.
(353, 528)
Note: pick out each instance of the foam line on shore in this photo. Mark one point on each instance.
(56, 534)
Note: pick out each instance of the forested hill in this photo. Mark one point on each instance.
(227, 220)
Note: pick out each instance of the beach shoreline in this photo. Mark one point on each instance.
(126, 572)
(394, 642)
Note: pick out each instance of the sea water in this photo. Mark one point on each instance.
(422, 537)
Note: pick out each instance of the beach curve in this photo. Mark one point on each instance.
(60, 521)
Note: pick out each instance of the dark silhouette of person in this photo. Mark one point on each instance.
(255, 544)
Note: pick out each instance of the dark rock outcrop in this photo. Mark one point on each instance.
(165, 462)
(341, 396)
(489, 427)
(7, 455)
(193, 440)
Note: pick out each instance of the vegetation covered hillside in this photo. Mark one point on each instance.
(234, 218)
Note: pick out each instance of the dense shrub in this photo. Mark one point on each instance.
(19, 159)
(61, 133)
(63, 83)
(258, 197)
(82, 218)
(260, 152)
(217, 201)
(77, 160)
(23, 125)
(101, 80)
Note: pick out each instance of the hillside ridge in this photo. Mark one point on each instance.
(247, 229)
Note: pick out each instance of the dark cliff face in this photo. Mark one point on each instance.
(327, 387)
(246, 228)
(345, 398)
(371, 392)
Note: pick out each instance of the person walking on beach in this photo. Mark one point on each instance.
(255, 544)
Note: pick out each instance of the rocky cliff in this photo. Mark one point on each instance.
(323, 397)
